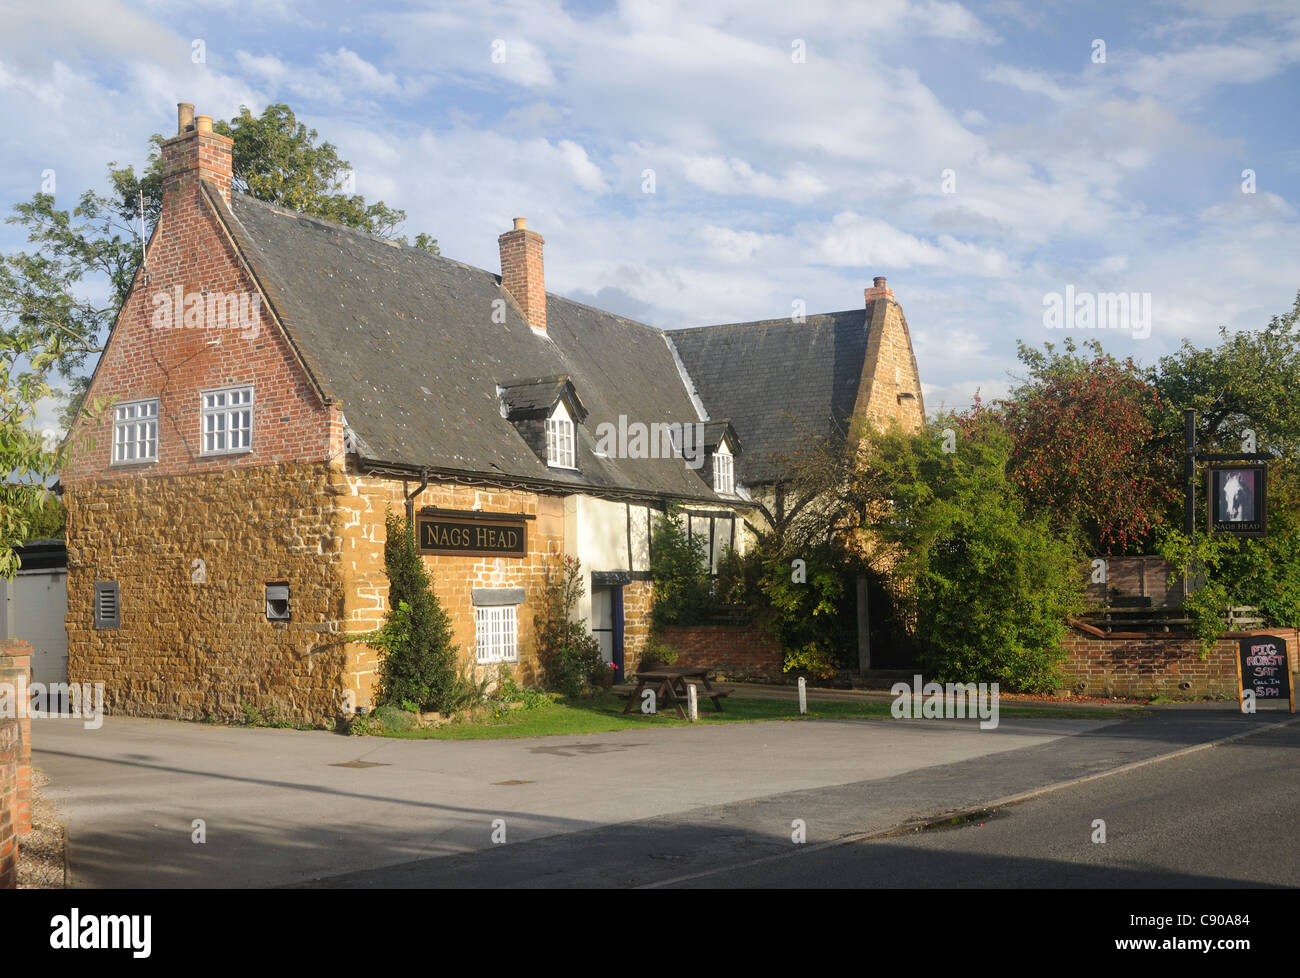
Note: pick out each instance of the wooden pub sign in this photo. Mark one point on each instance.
(471, 534)
(1237, 499)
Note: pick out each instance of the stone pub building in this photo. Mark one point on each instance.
(275, 383)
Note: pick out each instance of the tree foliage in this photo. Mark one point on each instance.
(57, 290)
(990, 585)
(28, 460)
(1082, 454)
(278, 159)
(1247, 382)
(1254, 572)
(679, 568)
(569, 654)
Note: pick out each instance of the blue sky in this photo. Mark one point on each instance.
(776, 179)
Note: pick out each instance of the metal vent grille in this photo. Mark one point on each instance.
(108, 609)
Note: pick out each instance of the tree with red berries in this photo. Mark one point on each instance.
(1084, 452)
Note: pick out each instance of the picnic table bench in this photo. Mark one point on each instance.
(670, 686)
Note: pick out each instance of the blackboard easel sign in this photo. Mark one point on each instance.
(1263, 666)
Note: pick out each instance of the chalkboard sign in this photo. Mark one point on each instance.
(1262, 660)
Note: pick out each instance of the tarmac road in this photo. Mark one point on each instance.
(636, 807)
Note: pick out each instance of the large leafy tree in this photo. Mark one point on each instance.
(28, 461)
(70, 287)
(991, 586)
(1246, 394)
(1249, 383)
(1084, 453)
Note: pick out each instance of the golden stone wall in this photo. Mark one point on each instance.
(193, 555)
(366, 585)
(890, 372)
(638, 602)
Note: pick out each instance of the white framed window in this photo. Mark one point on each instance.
(228, 421)
(559, 439)
(135, 432)
(496, 633)
(724, 479)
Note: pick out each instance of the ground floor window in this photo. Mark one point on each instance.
(497, 631)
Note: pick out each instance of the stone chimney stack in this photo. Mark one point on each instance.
(878, 290)
(521, 272)
(196, 153)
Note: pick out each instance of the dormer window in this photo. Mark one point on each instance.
(722, 446)
(546, 411)
(560, 439)
(724, 480)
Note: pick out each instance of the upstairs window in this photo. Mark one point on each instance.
(559, 439)
(228, 421)
(135, 432)
(724, 479)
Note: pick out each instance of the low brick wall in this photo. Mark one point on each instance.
(15, 759)
(735, 651)
(1145, 666)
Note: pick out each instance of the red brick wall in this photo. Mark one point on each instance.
(15, 764)
(144, 359)
(733, 651)
(1151, 665)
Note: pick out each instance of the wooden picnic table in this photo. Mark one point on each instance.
(670, 686)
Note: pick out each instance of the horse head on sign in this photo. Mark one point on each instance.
(1234, 498)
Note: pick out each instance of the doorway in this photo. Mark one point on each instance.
(607, 625)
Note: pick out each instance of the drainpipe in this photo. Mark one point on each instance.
(410, 501)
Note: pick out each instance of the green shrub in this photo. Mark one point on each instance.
(658, 653)
(419, 665)
(815, 659)
(1233, 572)
(568, 652)
(990, 588)
(509, 691)
(390, 718)
(817, 608)
(679, 568)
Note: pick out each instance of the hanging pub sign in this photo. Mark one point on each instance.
(1262, 667)
(1236, 499)
(471, 534)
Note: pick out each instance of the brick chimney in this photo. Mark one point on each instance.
(194, 153)
(878, 290)
(521, 272)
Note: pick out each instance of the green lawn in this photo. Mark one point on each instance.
(604, 713)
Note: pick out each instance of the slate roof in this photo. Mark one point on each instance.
(537, 396)
(777, 379)
(405, 342)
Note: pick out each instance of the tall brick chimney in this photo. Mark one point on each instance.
(878, 290)
(196, 153)
(521, 272)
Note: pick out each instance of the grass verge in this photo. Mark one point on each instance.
(604, 713)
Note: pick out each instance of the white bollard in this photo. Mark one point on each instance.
(803, 695)
(692, 703)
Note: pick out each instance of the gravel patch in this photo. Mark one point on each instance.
(42, 853)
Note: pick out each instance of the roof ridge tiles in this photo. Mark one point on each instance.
(778, 321)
